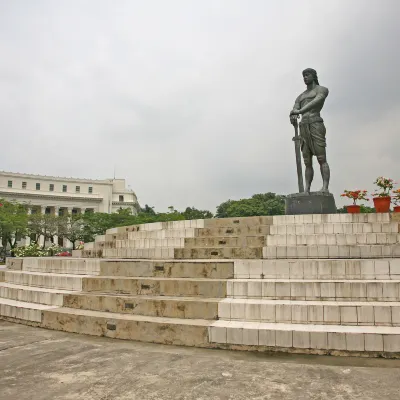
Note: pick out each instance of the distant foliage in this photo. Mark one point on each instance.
(258, 204)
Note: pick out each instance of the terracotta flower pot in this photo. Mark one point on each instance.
(382, 204)
(353, 209)
(396, 209)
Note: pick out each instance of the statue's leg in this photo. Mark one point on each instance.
(325, 172)
(309, 173)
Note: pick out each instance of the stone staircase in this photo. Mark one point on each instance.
(320, 284)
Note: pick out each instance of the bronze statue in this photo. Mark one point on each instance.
(312, 128)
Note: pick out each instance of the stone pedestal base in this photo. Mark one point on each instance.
(312, 203)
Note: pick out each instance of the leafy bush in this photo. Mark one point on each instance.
(34, 250)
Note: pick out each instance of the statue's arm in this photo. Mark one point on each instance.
(322, 94)
(297, 106)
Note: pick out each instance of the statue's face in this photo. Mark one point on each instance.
(308, 78)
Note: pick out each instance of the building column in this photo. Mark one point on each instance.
(56, 213)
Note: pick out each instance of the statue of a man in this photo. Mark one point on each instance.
(312, 128)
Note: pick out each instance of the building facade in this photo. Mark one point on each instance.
(57, 195)
(62, 196)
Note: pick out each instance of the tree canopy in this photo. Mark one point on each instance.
(258, 204)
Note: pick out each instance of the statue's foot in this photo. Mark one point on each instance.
(324, 190)
(307, 191)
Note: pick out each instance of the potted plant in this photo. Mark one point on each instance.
(382, 196)
(354, 195)
(396, 200)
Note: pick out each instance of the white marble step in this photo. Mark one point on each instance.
(318, 269)
(330, 228)
(32, 294)
(22, 310)
(331, 218)
(45, 280)
(334, 251)
(311, 312)
(154, 253)
(304, 336)
(150, 243)
(61, 265)
(302, 289)
(163, 234)
(333, 239)
(155, 226)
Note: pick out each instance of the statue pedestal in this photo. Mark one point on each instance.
(310, 203)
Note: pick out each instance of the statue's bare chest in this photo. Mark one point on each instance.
(306, 97)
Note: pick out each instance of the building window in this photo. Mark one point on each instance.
(64, 188)
(10, 184)
(38, 186)
(121, 198)
(47, 211)
(90, 189)
(51, 187)
(23, 185)
(77, 189)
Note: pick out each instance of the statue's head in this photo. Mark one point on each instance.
(310, 76)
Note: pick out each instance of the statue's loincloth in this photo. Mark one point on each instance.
(312, 134)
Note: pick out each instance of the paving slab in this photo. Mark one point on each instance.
(38, 364)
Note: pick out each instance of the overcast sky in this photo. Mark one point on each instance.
(190, 99)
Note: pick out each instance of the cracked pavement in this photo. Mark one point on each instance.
(39, 364)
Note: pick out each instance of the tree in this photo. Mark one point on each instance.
(258, 204)
(45, 225)
(194, 213)
(72, 228)
(13, 224)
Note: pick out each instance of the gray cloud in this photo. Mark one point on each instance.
(189, 100)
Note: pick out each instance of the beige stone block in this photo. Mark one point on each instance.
(268, 290)
(254, 289)
(240, 289)
(250, 335)
(267, 312)
(283, 290)
(284, 339)
(282, 269)
(348, 315)
(283, 313)
(390, 291)
(299, 314)
(217, 334)
(332, 315)
(355, 342)
(297, 291)
(313, 290)
(391, 343)
(365, 315)
(395, 315)
(328, 290)
(315, 314)
(318, 340)
(338, 269)
(383, 315)
(301, 340)
(266, 337)
(373, 342)
(374, 291)
(224, 310)
(336, 341)
(252, 311)
(367, 269)
(234, 334)
(381, 269)
(296, 270)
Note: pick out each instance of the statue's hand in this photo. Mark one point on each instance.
(293, 119)
(295, 112)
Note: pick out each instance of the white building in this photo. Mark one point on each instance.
(57, 195)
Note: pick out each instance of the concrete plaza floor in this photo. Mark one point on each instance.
(38, 364)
